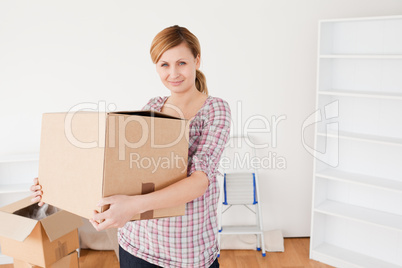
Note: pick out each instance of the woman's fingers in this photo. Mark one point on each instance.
(100, 221)
(106, 201)
(36, 199)
(104, 225)
(94, 224)
(37, 193)
(34, 188)
(98, 217)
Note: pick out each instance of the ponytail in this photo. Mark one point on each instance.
(201, 82)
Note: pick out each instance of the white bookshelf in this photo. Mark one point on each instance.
(379, 56)
(19, 158)
(16, 175)
(349, 258)
(5, 259)
(365, 180)
(361, 137)
(362, 94)
(357, 186)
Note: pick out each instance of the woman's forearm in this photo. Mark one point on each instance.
(122, 207)
(175, 194)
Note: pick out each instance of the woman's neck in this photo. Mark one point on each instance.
(184, 100)
(184, 105)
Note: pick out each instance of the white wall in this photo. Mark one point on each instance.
(260, 56)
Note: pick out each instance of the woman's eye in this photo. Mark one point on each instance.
(182, 63)
(164, 65)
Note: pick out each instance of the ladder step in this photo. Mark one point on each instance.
(241, 229)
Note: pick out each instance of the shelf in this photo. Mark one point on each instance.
(359, 19)
(5, 259)
(243, 229)
(361, 56)
(19, 158)
(341, 257)
(15, 188)
(362, 137)
(381, 183)
(362, 94)
(369, 216)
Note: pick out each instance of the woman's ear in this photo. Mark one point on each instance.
(198, 62)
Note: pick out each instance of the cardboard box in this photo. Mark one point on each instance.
(69, 261)
(40, 242)
(85, 156)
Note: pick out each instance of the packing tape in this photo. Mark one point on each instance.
(61, 250)
(147, 188)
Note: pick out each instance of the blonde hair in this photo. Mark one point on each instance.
(174, 36)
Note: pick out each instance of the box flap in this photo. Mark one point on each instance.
(15, 227)
(60, 223)
(13, 207)
(149, 113)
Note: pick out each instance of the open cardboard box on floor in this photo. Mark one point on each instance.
(69, 261)
(85, 156)
(39, 242)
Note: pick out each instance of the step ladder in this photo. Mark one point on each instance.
(241, 189)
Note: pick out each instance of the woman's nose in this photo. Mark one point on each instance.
(174, 72)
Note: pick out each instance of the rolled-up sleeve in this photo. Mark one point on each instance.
(212, 139)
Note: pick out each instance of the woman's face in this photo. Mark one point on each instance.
(177, 68)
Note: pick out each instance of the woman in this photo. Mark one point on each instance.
(189, 240)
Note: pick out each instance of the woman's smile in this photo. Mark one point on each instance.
(175, 83)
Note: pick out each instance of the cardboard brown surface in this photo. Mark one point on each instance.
(17, 229)
(69, 261)
(10, 208)
(55, 227)
(24, 264)
(108, 154)
(35, 246)
(69, 174)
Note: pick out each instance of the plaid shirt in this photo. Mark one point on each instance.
(189, 240)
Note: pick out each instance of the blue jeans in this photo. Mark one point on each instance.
(130, 261)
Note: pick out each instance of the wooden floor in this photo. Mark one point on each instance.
(296, 255)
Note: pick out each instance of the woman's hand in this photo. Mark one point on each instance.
(122, 209)
(36, 190)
